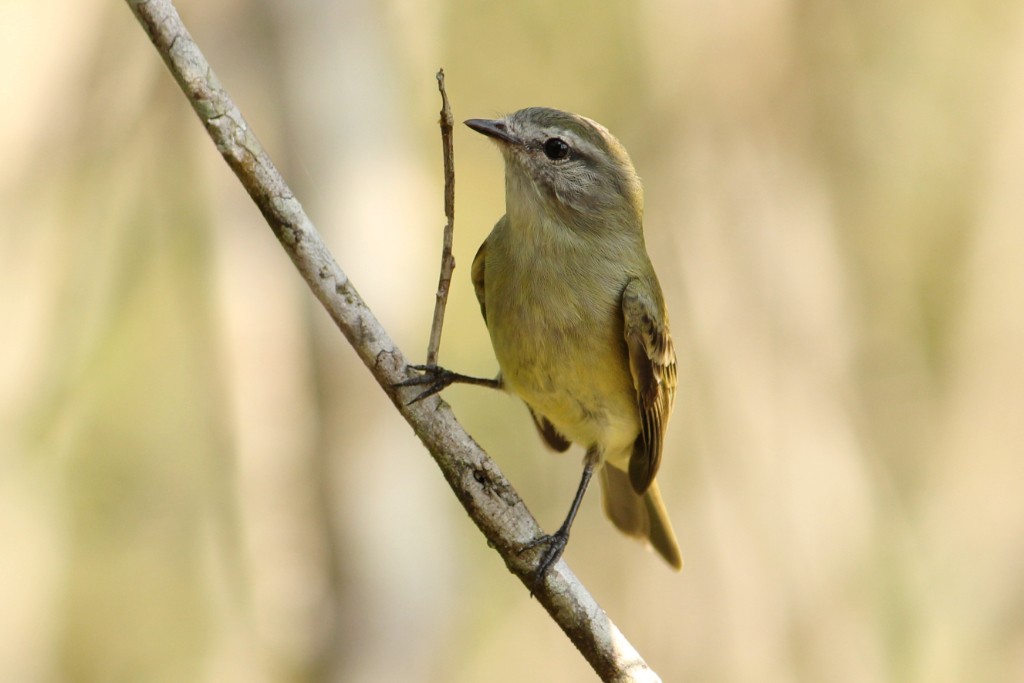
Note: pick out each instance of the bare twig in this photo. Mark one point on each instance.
(487, 496)
(447, 260)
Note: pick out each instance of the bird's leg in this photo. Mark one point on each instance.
(437, 378)
(557, 541)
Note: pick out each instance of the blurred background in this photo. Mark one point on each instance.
(200, 482)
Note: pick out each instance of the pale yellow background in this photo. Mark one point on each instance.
(200, 482)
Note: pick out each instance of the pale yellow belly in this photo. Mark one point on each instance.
(576, 376)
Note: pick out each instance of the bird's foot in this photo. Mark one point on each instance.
(555, 545)
(436, 378)
(433, 377)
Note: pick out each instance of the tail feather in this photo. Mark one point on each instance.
(643, 516)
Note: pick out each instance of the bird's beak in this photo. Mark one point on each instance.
(495, 128)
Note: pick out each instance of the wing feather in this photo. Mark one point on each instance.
(476, 273)
(552, 437)
(652, 362)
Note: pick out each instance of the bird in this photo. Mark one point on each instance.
(576, 316)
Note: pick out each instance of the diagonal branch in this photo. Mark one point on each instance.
(489, 499)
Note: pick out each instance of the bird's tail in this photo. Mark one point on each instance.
(643, 516)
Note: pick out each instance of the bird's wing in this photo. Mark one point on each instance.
(477, 275)
(552, 437)
(652, 362)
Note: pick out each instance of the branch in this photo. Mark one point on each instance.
(488, 497)
(447, 260)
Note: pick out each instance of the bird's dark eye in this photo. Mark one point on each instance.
(555, 149)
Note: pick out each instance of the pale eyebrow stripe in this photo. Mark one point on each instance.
(583, 147)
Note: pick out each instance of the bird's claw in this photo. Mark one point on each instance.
(434, 376)
(555, 543)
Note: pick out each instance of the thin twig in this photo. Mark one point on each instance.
(490, 500)
(447, 260)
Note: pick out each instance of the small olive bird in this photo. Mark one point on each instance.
(576, 315)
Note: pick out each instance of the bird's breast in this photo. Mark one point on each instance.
(556, 328)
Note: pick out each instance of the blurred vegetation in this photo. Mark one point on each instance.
(199, 482)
